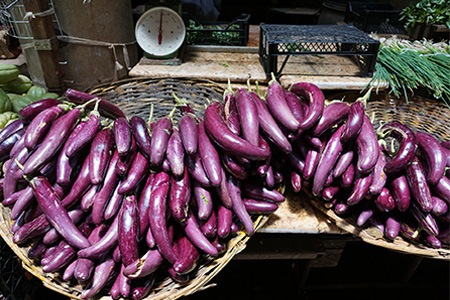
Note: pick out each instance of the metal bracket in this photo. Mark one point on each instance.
(329, 258)
(44, 44)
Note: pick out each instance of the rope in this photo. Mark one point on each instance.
(112, 46)
(30, 15)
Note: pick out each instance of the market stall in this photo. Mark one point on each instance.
(289, 145)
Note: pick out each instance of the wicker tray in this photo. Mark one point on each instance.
(421, 114)
(166, 289)
(135, 97)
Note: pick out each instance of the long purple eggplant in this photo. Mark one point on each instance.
(103, 195)
(161, 132)
(222, 136)
(238, 205)
(100, 279)
(187, 256)
(90, 129)
(158, 215)
(418, 185)
(327, 160)
(179, 196)
(53, 141)
(122, 136)
(270, 127)
(33, 109)
(315, 102)
(65, 164)
(141, 135)
(196, 236)
(105, 107)
(354, 121)
(56, 214)
(137, 171)
(278, 107)
(431, 150)
(175, 153)
(367, 147)
(209, 156)
(129, 230)
(188, 132)
(145, 265)
(104, 245)
(407, 145)
(100, 154)
(401, 193)
(40, 125)
(333, 114)
(248, 116)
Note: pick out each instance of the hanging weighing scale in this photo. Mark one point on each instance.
(160, 32)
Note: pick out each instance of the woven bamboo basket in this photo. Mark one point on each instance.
(135, 97)
(420, 114)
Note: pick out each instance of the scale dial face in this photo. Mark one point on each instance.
(160, 31)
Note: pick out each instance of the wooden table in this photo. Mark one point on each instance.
(241, 64)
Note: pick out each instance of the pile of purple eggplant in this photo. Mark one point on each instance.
(116, 204)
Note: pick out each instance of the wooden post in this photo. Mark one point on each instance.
(46, 43)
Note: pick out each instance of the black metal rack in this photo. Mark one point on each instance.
(378, 17)
(288, 40)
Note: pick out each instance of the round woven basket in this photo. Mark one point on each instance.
(420, 114)
(136, 97)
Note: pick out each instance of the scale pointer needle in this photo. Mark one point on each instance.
(160, 28)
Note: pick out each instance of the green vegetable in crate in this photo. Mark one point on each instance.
(7, 117)
(5, 102)
(8, 72)
(20, 102)
(19, 85)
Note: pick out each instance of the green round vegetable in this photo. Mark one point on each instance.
(7, 117)
(19, 85)
(8, 72)
(20, 102)
(36, 92)
(5, 102)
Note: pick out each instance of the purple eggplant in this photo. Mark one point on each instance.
(179, 196)
(39, 126)
(188, 132)
(367, 147)
(122, 136)
(90, 129)
(129, 230)
(401, 193)
(418, 185)
(332, 115)
(195, 235)
(270, 127)
(56, 214)
(315, 100)
(223, 137)
(158, 215)
(141, 135)
(407, 145)
(431, 150)
(175, 153)
(248, 116)
(105, 107)
(354, 122)
(30, 111)
(279, 108)
(327, 160)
